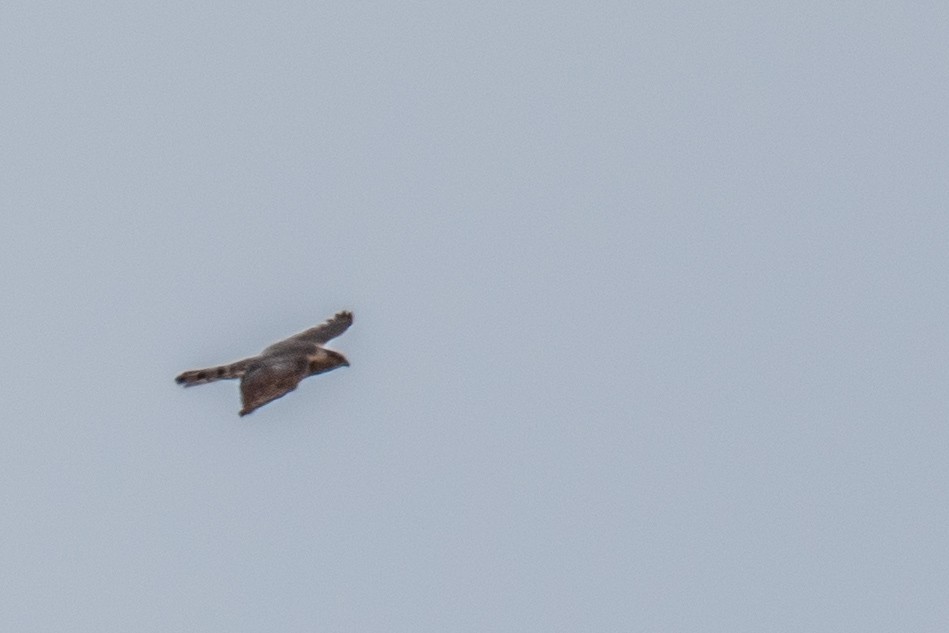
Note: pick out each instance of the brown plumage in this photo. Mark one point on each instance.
(278, 370)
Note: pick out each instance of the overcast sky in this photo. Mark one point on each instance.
(650, 316)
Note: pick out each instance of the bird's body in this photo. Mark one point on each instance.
(278, 370)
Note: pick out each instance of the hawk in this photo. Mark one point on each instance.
(278, 370)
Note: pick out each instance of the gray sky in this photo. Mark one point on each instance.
(650, 316)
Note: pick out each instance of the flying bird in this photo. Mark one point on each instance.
(278, 370)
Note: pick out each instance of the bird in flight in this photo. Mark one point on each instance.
(278, 370)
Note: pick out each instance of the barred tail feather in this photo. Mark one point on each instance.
(211, 374)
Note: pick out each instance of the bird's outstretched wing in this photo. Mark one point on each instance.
(270, 379)
(325, 331)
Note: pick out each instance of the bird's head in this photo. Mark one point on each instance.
(339, 359)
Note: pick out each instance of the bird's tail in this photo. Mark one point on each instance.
(210, 374)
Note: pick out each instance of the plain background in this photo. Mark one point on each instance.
(650, 316)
